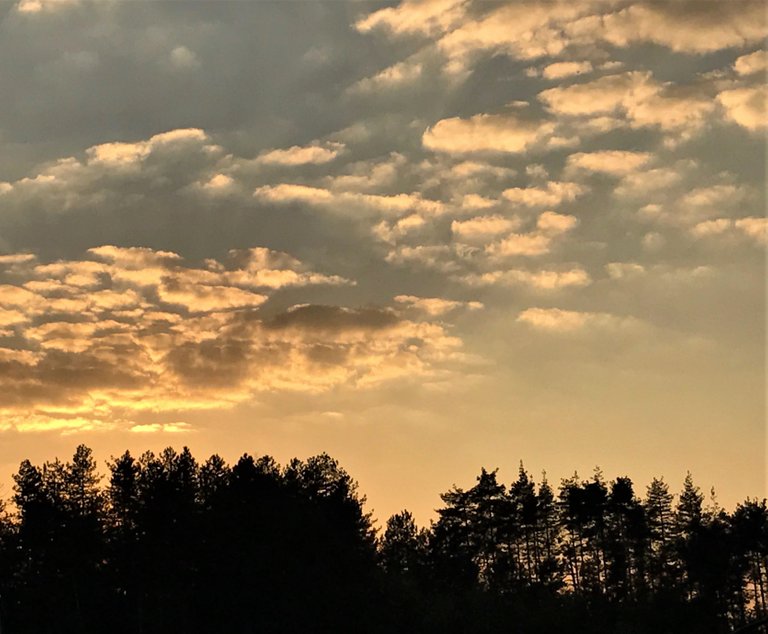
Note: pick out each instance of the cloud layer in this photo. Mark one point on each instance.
(95, 342)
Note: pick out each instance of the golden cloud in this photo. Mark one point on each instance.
(188, 337)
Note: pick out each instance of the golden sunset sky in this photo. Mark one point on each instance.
(425, 237)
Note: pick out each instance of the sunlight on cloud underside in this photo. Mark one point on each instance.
(93, 343)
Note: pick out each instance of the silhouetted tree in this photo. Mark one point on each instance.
(662, 555)
(169, 545)
(750, 526)
(404, 546)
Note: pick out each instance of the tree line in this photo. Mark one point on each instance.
(163, 543)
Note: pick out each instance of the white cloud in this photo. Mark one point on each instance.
(482, 228)
(302, 155)
(414, 16)
(399, 74)
(751, 228)
(643, 101)
(711, 227)
(614, 162)
(42, 6)
(545, 279)
(651, 183)
(207, 298)
(163, 428)
(755, 228)
(343, 202)
(554, 194)
(525, 244)
(558, 70)
(219, 182)
(485, 133)
(752, 63)
(470, 169)
(439, 257)
(747, 106)
(526, 31)
(183, 58)
(557, 320)
(624, 270)
(690, 27)
(520, 30)
(552, 223)
(436, 306)
(713, 196)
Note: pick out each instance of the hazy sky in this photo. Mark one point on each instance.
(425, 237)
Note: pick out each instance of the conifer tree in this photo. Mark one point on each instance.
(661, 535)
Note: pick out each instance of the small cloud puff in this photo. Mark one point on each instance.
(436, 306)
(557, 320)
(316, 154)
(506, 133)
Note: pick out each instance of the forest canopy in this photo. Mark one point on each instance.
(164, 543)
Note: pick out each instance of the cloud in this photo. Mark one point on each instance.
(465, 32)
(520, 30)
(219, 182)
(624, 270)
(419, 16)
(435, 306)
(396, 75)
(392, 232)
(653, 183)
(163, 428)
(302, 155)
(482, 228)
(188, 337)
(557, 320)
(752, 63)
(671, 196)
(546, 279)
(687, 26)
(558, 70)
(613, 162)
(552, 223)
(506, 133)
(199, 298)
(526, 244)
(746, 106)
(114, 175)
(368, 175)
(184, 59)
(341, 202)
(635, 94)
(755, 228)
(487, 240)
(554, 194)
(711, 227)
(438, 257)
(44, 6)
(751, 228)
(713, 196)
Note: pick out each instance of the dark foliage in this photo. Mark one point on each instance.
(165, 544)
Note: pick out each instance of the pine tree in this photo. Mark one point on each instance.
(750, 525)
(403, 548)
(689, 518)
(662, 566)
(548, 529)
(522, 496)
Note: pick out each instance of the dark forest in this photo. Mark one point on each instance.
(163, 543)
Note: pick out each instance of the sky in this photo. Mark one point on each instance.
(425, 237)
